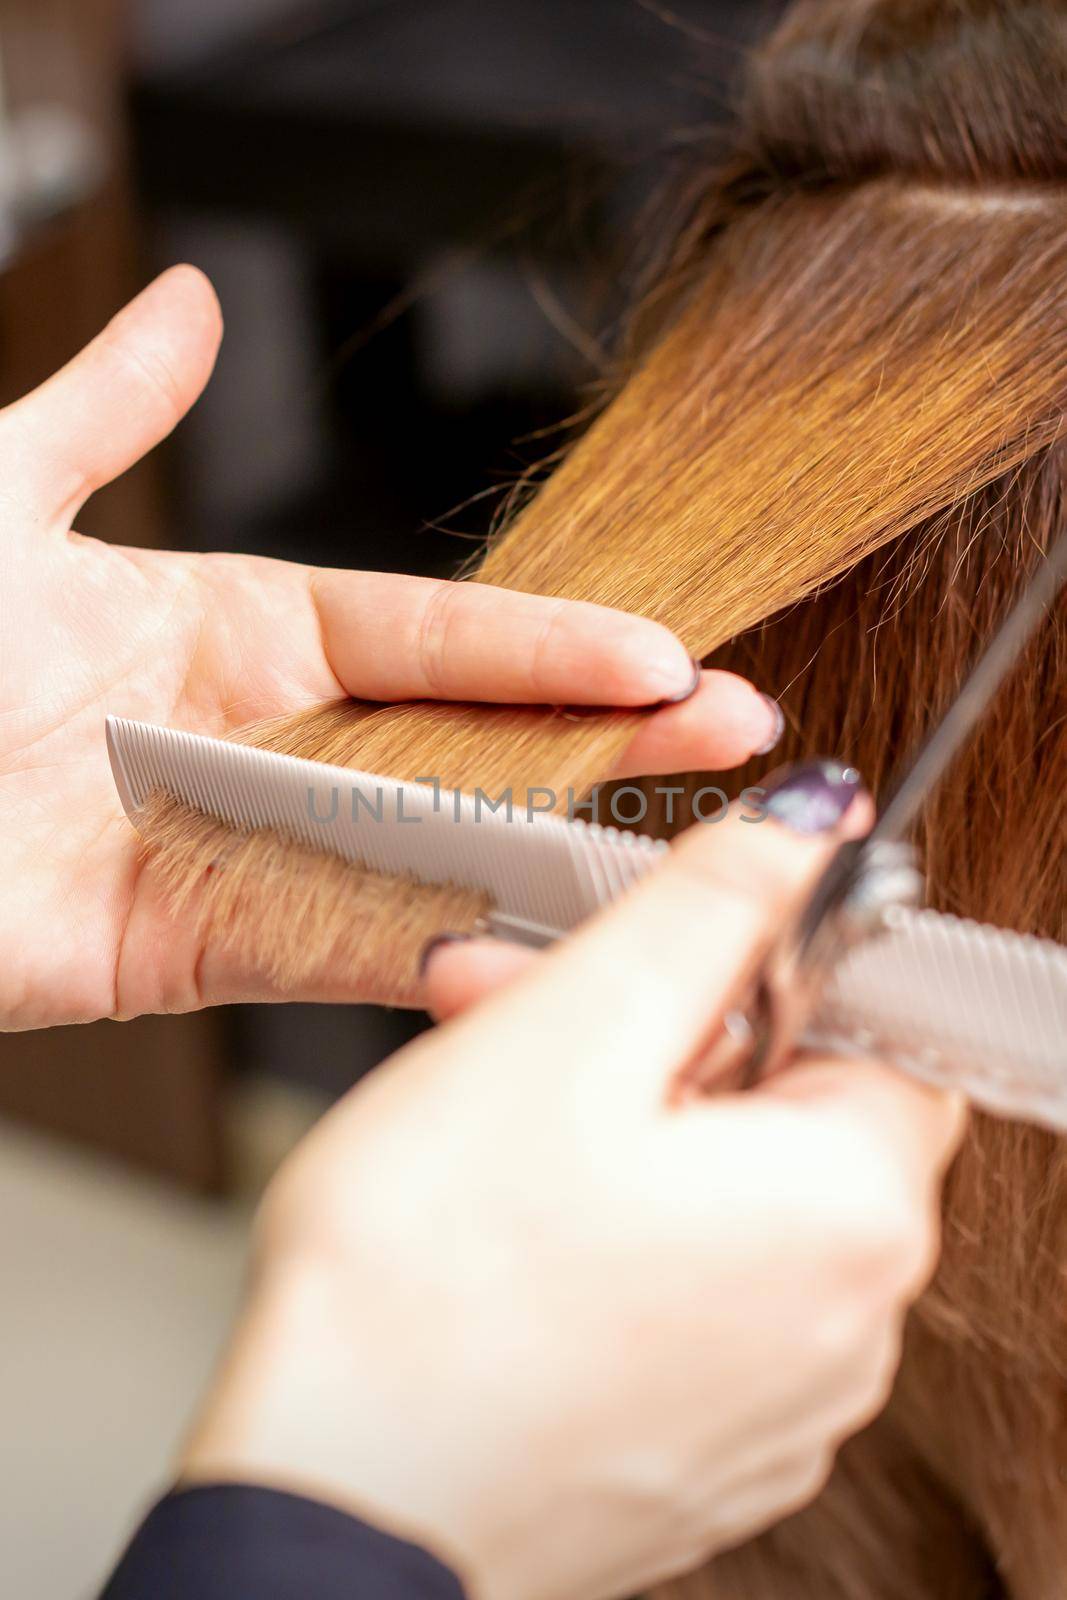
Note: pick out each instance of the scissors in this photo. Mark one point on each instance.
(868, 878)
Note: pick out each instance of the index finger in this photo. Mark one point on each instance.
(393, 637)
(639, 990)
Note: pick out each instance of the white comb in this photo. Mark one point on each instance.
(544, 875)
(947, 1001)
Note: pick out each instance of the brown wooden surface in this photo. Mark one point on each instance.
(146, 1091)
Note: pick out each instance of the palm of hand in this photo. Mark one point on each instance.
(198, 642)
(213, 642)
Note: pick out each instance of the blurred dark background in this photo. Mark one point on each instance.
(421, 217)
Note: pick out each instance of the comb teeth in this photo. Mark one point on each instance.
(947, 1001)
(959, 1005)
(563, 872)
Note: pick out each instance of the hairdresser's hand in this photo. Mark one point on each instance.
(517, 1301)
(209, 643)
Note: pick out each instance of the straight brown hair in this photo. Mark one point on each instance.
(836, 451)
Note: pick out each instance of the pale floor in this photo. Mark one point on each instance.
(115, 1292)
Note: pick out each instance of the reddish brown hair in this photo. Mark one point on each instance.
(835, 457)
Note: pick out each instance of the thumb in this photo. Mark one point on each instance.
(118, 398)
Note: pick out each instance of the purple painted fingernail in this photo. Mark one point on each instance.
(813, 796)
(578, 713)
(774, 737)
(434, 944)
(685, 694)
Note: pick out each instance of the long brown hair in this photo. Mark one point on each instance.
(837, 450)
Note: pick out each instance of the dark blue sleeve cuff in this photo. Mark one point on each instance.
(236, 1542)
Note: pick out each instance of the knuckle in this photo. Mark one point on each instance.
(904, 1243)
(796, 1482)
(886, 1354)
(870, 1380)
(897, 1245)
(887, 1232)
(152, 374)
(879, 1249)
(547, 642)
(812, 1474)
(431, 639)
(840, 1332)
(862, 1373)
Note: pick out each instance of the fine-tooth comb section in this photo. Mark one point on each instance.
(562, 874)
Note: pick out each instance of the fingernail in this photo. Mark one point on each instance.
(579, 713)
(813, 796)
(435, 944)
(778, 727)
(576, 713)
(690, 689)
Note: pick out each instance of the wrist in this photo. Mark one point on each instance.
(306, 1400)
